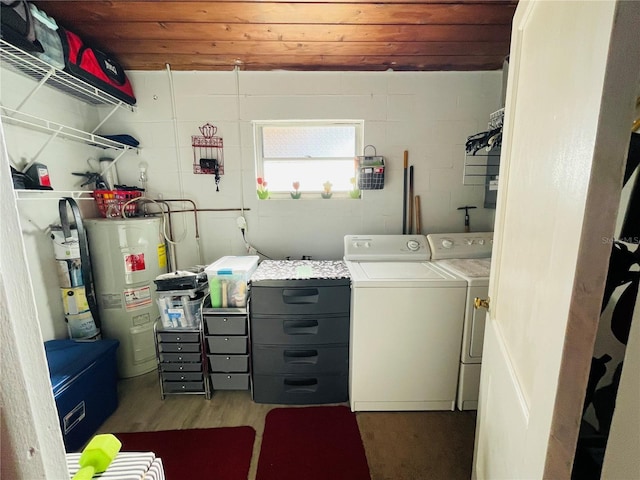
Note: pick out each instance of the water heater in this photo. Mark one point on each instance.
(127, 255)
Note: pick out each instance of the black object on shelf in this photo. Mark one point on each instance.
(180, 280)
(30, 180)
(123, 138)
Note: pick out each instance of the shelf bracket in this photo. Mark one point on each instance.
(49, 140)
(116, 107)
(40, 84)
(112, 164)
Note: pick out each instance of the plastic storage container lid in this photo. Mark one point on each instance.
(233, 265)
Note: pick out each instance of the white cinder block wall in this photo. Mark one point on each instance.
(430, 114)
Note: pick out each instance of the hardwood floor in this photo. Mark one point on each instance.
(399, 445)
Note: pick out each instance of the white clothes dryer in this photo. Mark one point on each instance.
(406, 324)
(467, 255)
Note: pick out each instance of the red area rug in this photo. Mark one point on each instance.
(312, 443)
(221, 453)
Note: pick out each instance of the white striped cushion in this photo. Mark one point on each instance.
(126, 466)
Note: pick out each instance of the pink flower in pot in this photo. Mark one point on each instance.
(262, 191)
(296, 193)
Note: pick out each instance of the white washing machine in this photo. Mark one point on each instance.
(467, 255)
(406, 324)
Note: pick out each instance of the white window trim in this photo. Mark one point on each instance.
(306, 194)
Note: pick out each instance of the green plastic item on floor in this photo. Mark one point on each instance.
(97, 455)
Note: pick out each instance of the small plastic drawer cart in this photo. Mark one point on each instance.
(225, 324)
(180, 344)
(178, 335)
(227, 340)
(181, 361)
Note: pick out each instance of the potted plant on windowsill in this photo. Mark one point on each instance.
(262, 191)
(327, 190)
(355, 191)
(296, 194)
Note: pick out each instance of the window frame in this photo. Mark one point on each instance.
(306, 193)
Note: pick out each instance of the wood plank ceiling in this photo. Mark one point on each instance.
(294, 34)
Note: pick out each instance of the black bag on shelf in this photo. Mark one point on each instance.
(17, 25)
(95, 67)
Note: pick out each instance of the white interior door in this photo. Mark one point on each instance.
(571, 93)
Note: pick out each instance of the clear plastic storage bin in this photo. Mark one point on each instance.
(180, 311)
(228, 277)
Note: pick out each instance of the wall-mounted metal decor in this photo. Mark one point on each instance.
(208, 154)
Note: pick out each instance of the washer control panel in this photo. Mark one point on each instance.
(381, 248)
(460, 245)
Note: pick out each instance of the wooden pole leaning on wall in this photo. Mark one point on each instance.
(404, 193)
(418, 214)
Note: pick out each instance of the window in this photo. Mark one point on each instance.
(310, 153)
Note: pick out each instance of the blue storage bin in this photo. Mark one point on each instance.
(84, 378)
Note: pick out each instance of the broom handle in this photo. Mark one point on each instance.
(404, 193)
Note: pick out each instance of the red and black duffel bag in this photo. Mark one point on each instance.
(95, 67)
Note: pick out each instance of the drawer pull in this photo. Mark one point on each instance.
(307, 357)
(300, 295)
(300, 327)
(308, 385)
(177, 339)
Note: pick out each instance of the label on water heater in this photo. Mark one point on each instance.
(141, 319)
(135, 298)
(111, 300)
(134, 262)
(162, 256)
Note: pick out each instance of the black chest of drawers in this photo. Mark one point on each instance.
(300, 335)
